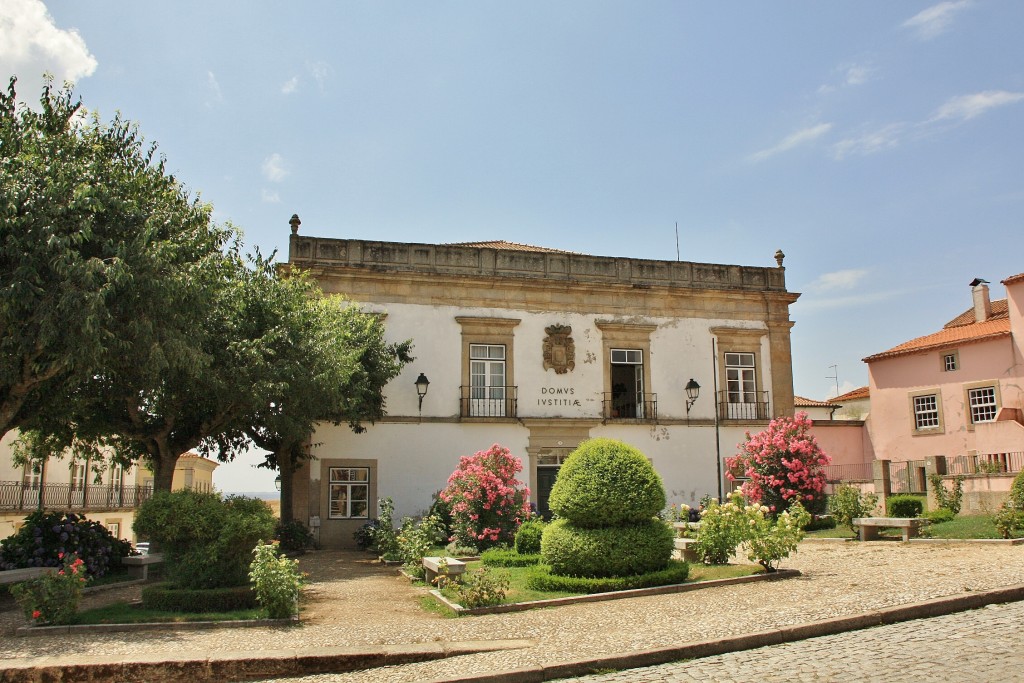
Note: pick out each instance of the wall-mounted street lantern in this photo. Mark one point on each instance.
(422, 383)
(277, 482)
(692, 392)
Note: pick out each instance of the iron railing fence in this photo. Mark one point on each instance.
(861, 471)
(21, 496)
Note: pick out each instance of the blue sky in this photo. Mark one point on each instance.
(878, 144)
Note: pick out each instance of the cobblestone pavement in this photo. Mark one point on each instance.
(351, 602)
(982, 645)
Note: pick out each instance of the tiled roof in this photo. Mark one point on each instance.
(1013, 279)
(949, 336)
(509, 246)
(857, 394)
(801, 402)
(999, 310)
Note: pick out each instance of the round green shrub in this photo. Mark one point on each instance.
(605, 483)
(528, 536)
(940, 515)
(608, 551)
(1017, 491)
(207, 541)
(905, 506)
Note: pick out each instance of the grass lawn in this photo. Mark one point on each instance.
(518, 591)
(125, 613)
(962, 526)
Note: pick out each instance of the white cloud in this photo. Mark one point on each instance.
(966, 107)
(869, 142)
(31, 44)
(935, 20)
(274, 168)
(216, 95)
(796, 139)
(320, 71)
(840, 279)
(270, 196)
(857, 74)
(290, 86)
(811, 304)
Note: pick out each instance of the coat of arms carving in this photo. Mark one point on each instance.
(559, 349)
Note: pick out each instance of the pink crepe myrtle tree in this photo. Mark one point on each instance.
(487, 502)
(782, 465)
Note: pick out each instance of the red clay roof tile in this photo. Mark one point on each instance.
(949, 336)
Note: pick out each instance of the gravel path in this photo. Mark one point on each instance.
(354, 602)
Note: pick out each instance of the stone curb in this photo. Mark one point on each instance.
(150, 626)
(632, 660)
(615, 595)
(233, 666)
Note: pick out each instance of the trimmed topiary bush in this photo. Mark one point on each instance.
(607, 497)
(528, 536)
(46, 536)
(905, 506)
(605, 483)
(608, 551)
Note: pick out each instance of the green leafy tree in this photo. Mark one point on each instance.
(103, 257)
(329, 362)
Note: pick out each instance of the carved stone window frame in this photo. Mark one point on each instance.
(625, 335)
(485, 330)
(739, 340)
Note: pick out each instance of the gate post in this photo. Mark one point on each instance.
(883, 483)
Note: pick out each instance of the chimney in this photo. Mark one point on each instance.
(982, 304)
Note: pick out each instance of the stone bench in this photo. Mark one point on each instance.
(685, 551)
(138, 565)
(432, 568)
(684, 528)
(26, 574)
(869, 526)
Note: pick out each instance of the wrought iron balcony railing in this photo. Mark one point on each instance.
(629, 406)
(499, 401)
(749, 405)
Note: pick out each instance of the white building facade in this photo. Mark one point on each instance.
(539, 350)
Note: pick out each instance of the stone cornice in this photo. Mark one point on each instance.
(454, 260)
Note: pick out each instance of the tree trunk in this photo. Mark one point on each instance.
(163, 460)
(286, 466)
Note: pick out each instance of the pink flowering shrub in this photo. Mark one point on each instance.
(783, 465)
(487, 502)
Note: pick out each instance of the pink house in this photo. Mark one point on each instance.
(958, 391)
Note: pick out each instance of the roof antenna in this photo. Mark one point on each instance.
(677, 241)
(835, 376)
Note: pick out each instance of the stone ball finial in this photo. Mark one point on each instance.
(295, 223)
(779, 256)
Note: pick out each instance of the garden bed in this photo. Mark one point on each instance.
(962, 527)
(521, 599)
(520, 596)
